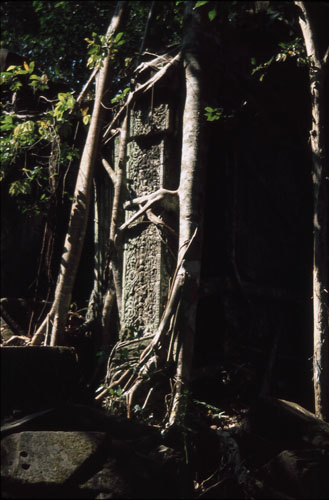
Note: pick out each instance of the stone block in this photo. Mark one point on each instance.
(61, 462)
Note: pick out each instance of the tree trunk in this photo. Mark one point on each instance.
(318, 136)
(190, 211)
(81, 202)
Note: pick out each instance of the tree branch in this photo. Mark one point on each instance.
(169, 200)
(142, 88)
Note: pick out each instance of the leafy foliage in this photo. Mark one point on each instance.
(99, 46)
(52, 33)
(27, 137)
(289, 50)
(213, 114)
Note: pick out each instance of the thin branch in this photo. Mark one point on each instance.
(113, 384)
(141, 88)
(159, 222)
(173, 296)
(87, 85)
(325, 58)
(149, 17)
(110, 171)
(154, 63)
(23, 117)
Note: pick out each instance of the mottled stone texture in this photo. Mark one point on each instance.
(146, 264)
(61, 460)
(46, 464)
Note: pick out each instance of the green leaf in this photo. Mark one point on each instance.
(212, 14)
(118, 37)
(7, 124)
(253, 61)
(200, 3)
(19, 187)
(62, 96)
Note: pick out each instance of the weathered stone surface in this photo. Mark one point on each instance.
(47, 457)
(43, 464)
(145, 266)
(149, 121)
(68, 460)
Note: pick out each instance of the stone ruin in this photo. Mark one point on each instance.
(153, 156)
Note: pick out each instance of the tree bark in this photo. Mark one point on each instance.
(81, 202)
(318, 136)
(190, 211)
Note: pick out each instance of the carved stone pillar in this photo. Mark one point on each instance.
(147, 258)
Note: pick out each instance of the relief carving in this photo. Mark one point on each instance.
(145, 266)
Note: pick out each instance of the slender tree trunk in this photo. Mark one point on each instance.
(190, 211)
(115, 242)
(318, 138)
(102, 212)
(80, 207)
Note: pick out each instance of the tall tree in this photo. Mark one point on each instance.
(318, 69)
(80, 206)
(190, 206)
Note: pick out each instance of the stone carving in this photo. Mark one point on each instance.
(145, 121)
(145, 267)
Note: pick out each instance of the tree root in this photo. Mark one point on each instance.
(167, 198)
(159, 351)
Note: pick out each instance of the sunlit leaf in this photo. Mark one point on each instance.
(118, 37)
(200, 3)
(86, 119)
(212, 14)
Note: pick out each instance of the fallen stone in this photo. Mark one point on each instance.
(61, 461)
